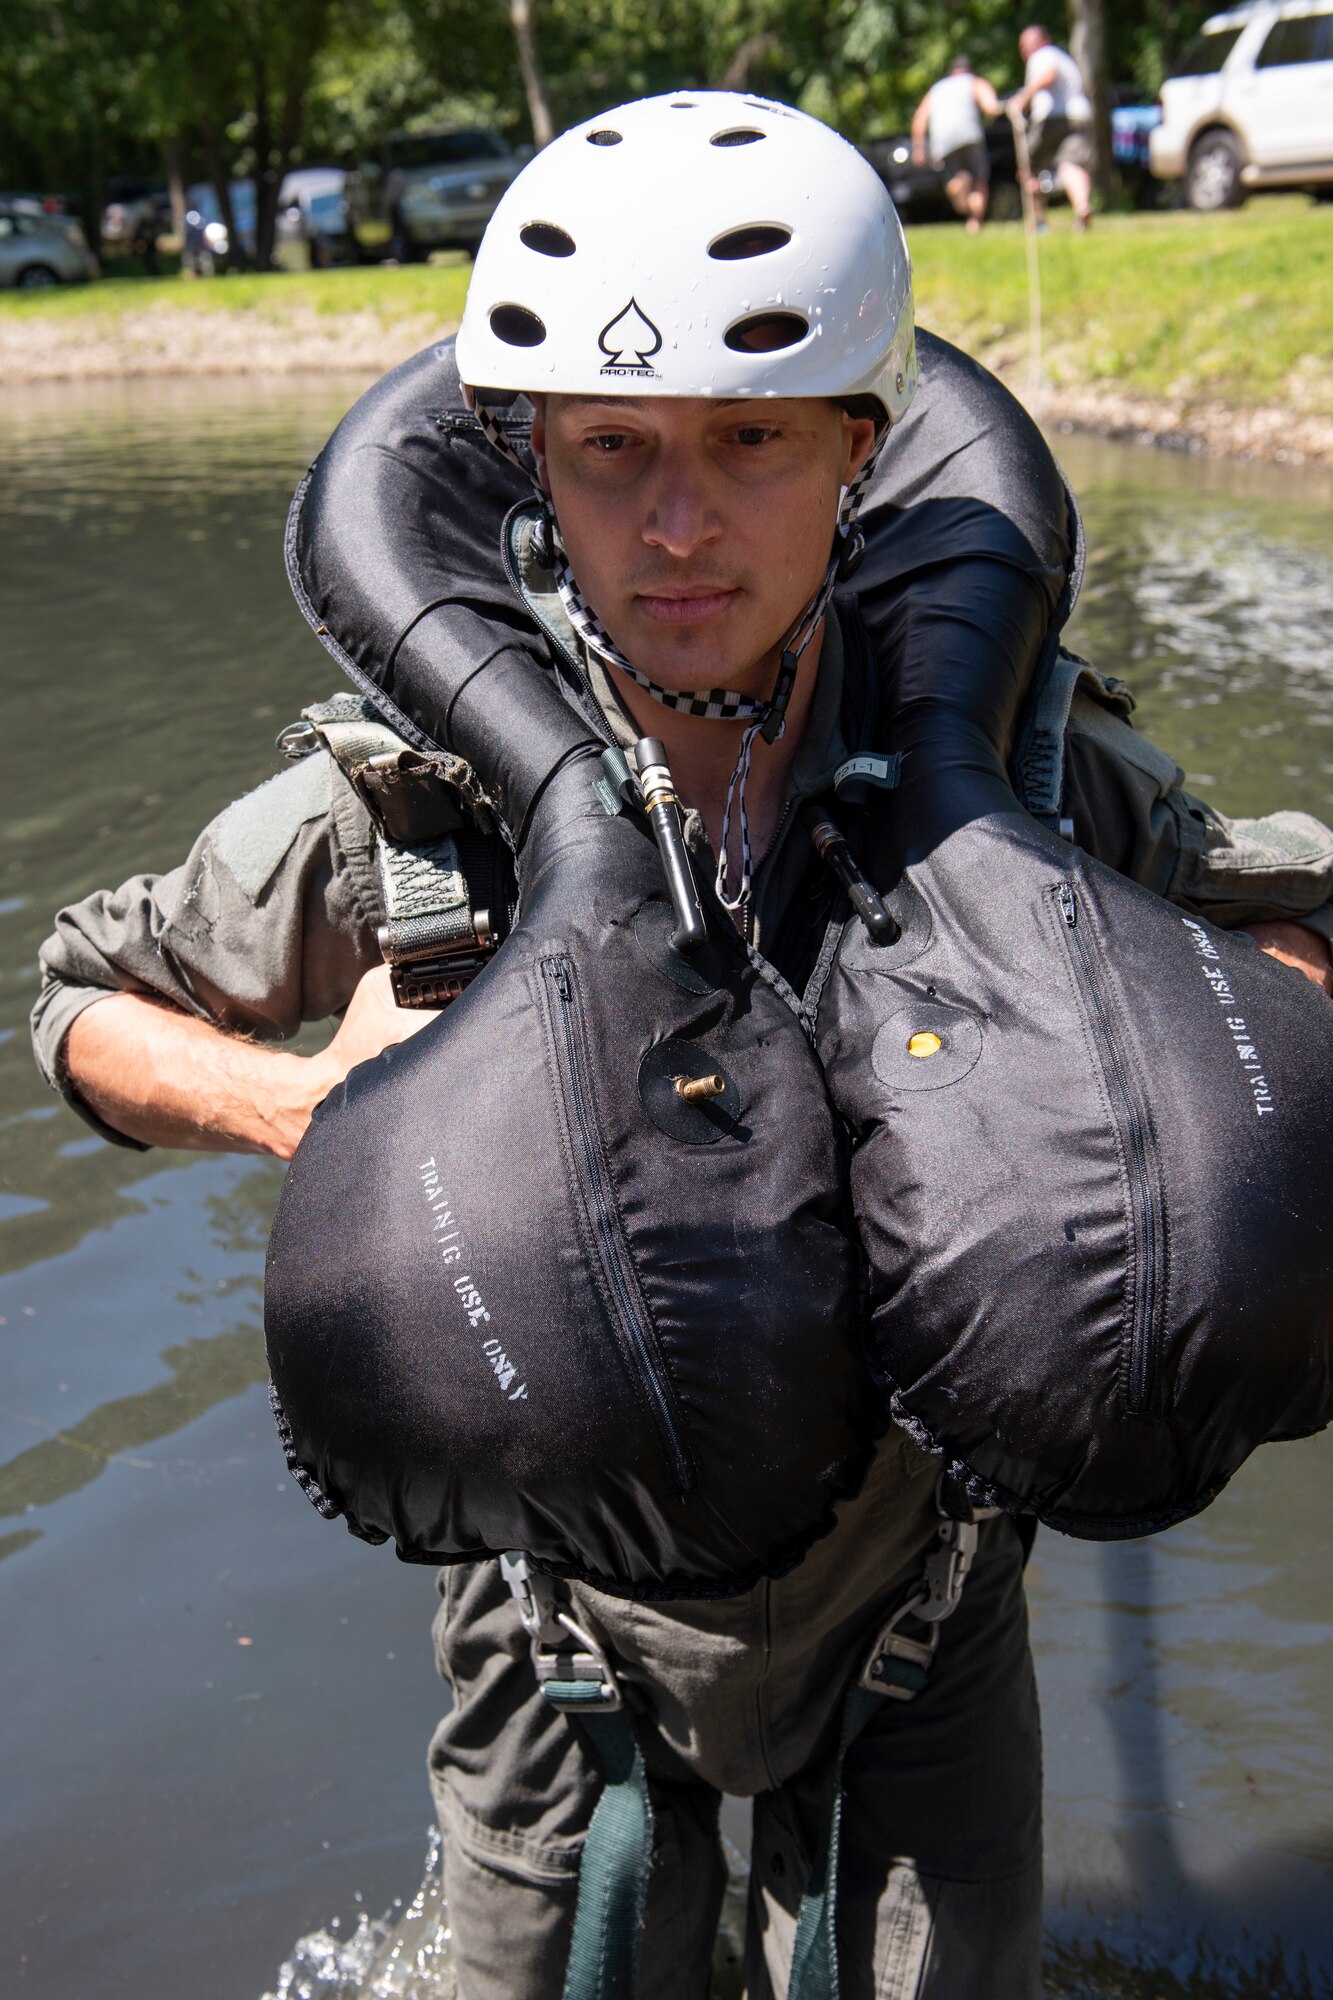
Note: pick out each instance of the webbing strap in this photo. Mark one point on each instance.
(896, 1669)
(574, 1674)
(814, 1964)
(1038, 764)
(353, 728)
(1039, 767)
(613, 1874)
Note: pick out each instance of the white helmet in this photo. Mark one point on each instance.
(698, 244)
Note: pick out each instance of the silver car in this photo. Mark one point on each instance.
(37, 250)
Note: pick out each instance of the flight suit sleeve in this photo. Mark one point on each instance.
(1130, 808)
(269, 922)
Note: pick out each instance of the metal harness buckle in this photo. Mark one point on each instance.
(572, 1669)
(897, 1665)
(439, 973)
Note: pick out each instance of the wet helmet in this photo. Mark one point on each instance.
(697, 244)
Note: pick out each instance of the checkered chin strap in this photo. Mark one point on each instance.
(766, 718)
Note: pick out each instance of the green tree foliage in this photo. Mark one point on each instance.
(91, 88)
(80, 94)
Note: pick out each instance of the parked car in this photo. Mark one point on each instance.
(136, 212)
(1132, 125)
(38, 250)
(429, 191)
(918, 191)
(1250, 105)
(206, 242)
(23, 202)
(312, 210)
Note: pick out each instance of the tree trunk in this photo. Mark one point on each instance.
(171, 160)
(740, 73)
(293, 107)
(266, 186)
(1087, 45)
(94, 198)
(534, 83)
(221, 178)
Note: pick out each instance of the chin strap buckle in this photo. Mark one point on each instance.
(572, 1669)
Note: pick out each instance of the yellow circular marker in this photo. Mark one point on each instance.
(924, 1045)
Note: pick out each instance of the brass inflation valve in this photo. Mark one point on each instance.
(699, 1089)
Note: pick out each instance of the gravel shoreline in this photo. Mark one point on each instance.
(165, 341)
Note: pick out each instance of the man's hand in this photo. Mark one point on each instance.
(919, 152)
(373, 1022)
(1296, 945)
(168, 1079)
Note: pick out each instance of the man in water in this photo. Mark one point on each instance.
(1055, 102)
(697, 528)
(947, 129)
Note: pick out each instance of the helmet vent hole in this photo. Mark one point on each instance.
(604, 136)
(756, 240)
(516, 326)
(684, 104)
(740, 135)
(767, 333)
(546, 238)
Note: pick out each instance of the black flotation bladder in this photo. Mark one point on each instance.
(1093, 1136)
(521, 1294)
(524, 1294)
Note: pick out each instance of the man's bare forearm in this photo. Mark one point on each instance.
(167, 1079)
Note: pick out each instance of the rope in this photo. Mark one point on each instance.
(1024, 160)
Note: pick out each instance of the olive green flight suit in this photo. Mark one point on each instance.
(271, 921)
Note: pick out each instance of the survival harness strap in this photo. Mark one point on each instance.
(429, 814)
(1037, 766)
(574, 1673)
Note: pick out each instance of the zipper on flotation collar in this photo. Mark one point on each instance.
(620, 1286)
(1129, 1108)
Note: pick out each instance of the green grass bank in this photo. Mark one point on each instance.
(1208, 330)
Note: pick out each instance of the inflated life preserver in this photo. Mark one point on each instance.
(1092, 1142)
(522, 1292)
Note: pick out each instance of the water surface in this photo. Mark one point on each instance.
(216, 1705)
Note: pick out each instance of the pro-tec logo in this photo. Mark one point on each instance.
(630, 332)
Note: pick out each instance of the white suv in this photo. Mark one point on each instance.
(1250, 105)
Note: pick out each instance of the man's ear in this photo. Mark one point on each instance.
(538, 402)
(858, 439)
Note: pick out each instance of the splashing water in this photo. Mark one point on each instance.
(407, 1954)
(404, 1955)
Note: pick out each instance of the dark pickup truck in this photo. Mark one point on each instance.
(918, 192)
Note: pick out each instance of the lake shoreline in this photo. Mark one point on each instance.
(1262, 433)
(162, 340)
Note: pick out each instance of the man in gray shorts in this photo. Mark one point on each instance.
(947, 129)
(1059, 113)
